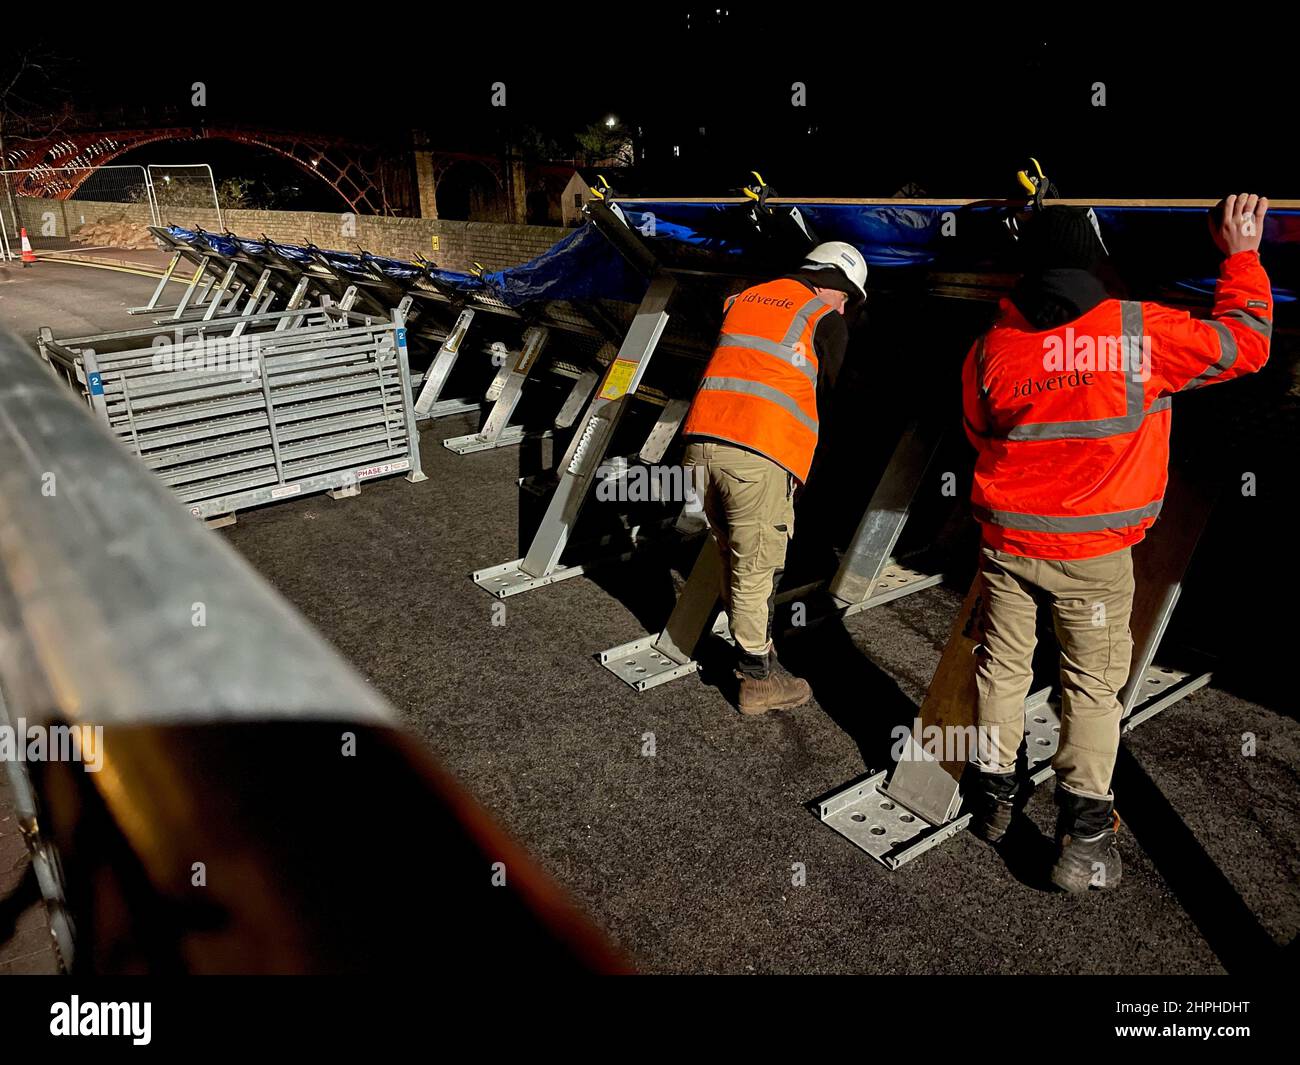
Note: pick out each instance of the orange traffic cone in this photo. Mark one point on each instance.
(29, 256)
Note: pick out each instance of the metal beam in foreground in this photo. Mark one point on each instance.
(240, 800)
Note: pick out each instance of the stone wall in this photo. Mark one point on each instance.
(454, 245)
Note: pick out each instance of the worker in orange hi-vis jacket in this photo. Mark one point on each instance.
(1067, 402)
(753, 429)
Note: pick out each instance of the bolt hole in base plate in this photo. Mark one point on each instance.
(886, 830)
(873, 820)
(642, 665)
(510, 578)
(876, 821)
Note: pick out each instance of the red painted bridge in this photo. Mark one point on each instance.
(364, 177)
(369, 179)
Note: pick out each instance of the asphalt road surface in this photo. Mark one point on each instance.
(687, 857)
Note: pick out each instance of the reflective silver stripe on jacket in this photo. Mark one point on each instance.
(785, 350)
(1253, 321)
(786, 354)
(1119, 519)
(1228, 345)
(800, 320)
(762, 391)
(1134, 394)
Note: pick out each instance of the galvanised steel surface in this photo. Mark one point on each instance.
(230, 421)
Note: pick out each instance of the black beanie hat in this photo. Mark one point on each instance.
(1060, 236)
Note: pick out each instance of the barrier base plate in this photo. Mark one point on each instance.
(513, 434)
(895, 582)
(873, 819)
(445, 407)
(510, 579)
(1161, 688)
(870, 818)
(642, 665)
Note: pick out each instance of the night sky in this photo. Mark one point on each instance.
(953, 107)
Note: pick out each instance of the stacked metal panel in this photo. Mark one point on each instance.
(234, 422)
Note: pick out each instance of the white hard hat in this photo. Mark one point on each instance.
(845, 256)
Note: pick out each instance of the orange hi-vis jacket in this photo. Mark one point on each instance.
(1072, 423)
(760, 387)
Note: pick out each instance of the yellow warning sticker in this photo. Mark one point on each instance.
(619, 379)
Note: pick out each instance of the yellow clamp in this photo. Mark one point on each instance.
(599, 193)
(1029, 183)
(753, 191)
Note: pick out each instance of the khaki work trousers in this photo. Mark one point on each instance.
(749, 501)
(1091, 600)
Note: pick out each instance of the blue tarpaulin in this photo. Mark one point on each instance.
(582, 266)
(1150, 246)
(1158, 245)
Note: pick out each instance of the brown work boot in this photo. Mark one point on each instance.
(776, 691)
(993, 805)
(1088, 852)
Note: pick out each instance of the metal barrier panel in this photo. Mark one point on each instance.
(188, 189)
(76, 208)
(233, 421)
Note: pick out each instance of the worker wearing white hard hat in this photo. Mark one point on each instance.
(846, 259)
(752, 431)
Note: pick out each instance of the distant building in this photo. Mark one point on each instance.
(577, 191)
